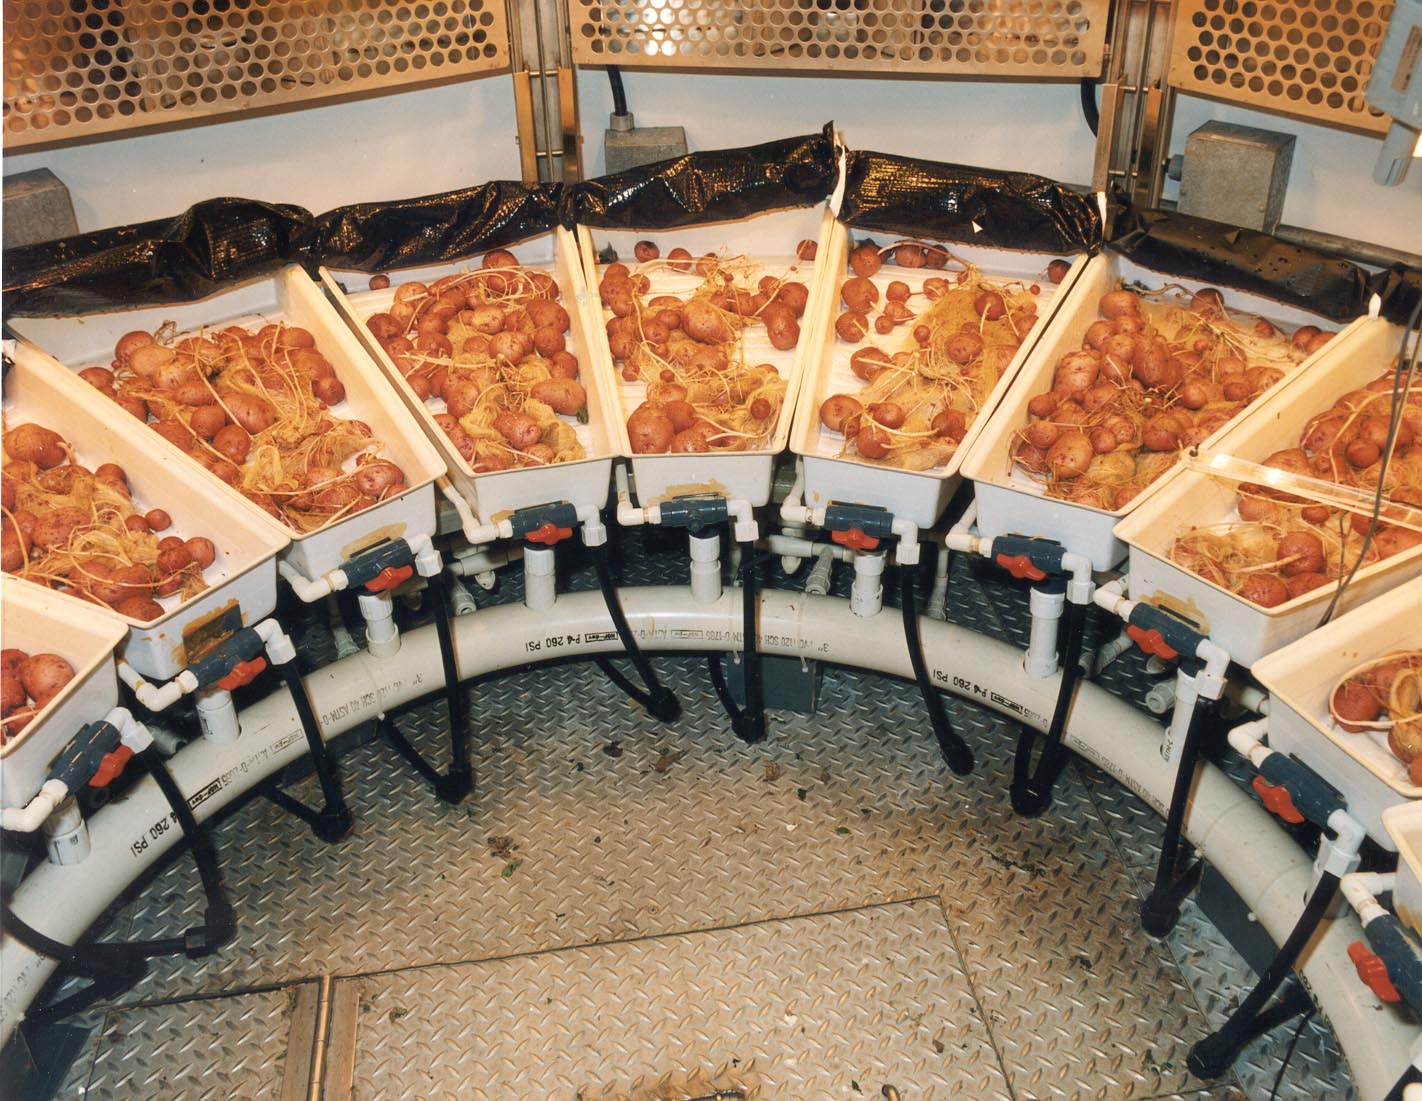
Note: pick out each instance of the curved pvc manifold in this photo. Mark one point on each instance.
(1239, 838)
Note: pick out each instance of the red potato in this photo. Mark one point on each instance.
(704, 322)
(807, 249)
(36, 444)
(44, 675)
(950, 424)
(1116, 303)
(851, 326)
(650, 430)
(1263, 589)
(1355, 705)
(562, 395)
(872, 441)
(12, 693)
(519, 429)
(859, 293)
(865, 259)
(1057, 270)
(837, 410)
(378, 479)
(1070, 456)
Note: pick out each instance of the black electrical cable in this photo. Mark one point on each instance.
(1289, 1051)
(1088, 105)
(950, 743)
(753, 719)
(334, 820)
(660, 701)
(1031, 790)
(1406, 369)
(619, 94)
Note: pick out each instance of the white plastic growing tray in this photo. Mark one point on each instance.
(1301, 678)
(916, 495)
(290, 296)
(492, 496)
(40, 622)
(1404, 828)
(1190, 498)
(769, 239)
(1010, 501)
(243, 575)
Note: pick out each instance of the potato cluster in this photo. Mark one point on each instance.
(1287, 545)
(689, 350)
(1150, 379)
(1385, 696)
(69, 528)
(933, 363)
(487, 351)
(254, 408)
(27, 683)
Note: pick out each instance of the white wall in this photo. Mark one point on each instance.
(1029, 127)
(418, 142)
(1331, 185)
(385, 147)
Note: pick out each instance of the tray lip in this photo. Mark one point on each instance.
(93, 406)
(1336, 356)
(1406, 817)
(780, 437)
(807, 416)
(976, 462)
(292, 276)
(107, 632)
(453, 463)
(1277, 670)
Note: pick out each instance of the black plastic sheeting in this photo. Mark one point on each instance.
(438, 229)
(1245, 259)
(213, 244)
(716, 186)
(978, 206)
(221, 243)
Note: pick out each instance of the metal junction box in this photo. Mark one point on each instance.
(1236, 174)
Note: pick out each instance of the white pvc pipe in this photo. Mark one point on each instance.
(217, 715)
(540, 583)
(382, 637)
(32, 815)
(706, 568)
(67, 835)
(1238, 837)
(866, 594)
(1361, 889)
(1046, 608)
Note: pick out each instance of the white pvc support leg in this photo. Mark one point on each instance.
(217, 716)
(1046, 608)
(706, 568)
(382, 637)
(866, 597)
(540, 585)
(67, 835)
(1224, 822)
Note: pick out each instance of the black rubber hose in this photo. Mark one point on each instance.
(950, 743)
(334, 820)
(1216, 1053)
(1161, 909)
(1088, 105)
(753, 718)
(619, 94)
(459, 781)
(660, 701)
(1031, 790)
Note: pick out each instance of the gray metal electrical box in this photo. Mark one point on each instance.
(37, 208)
(1236, 174)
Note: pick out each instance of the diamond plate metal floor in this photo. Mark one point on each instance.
(605, 855)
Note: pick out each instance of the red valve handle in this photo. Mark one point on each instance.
(855, 539)
(110, 767)
(244, 672)
(549, 534)
(1152, 642)
(1373, 972)
(389, 577)
(1277, 800)
(1020, 566)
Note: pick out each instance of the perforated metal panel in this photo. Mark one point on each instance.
(1044, 38)
(80, 67)
(1310, 58)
